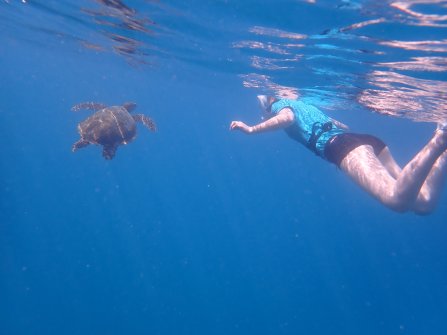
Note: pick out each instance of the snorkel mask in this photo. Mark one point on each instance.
(266, 102)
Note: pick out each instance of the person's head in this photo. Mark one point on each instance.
(266, 102)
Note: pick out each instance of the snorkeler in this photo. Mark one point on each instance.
(364, 158)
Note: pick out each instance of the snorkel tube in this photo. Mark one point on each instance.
(265, 102)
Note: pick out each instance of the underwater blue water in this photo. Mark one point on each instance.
(195, 229)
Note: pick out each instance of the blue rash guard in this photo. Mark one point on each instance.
(311, 126)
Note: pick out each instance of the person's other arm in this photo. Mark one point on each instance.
(284, 119)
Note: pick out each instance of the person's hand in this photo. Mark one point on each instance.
(239, 125)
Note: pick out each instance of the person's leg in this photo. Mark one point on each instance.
(389, 163)
(415, 173)
(432, 188)
(398, 193)
(363, 166)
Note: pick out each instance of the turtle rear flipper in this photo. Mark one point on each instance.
(108, 152)
(147, 121)
(93, 106)
(79, 144)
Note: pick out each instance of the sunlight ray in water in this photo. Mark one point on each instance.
(418, 17)
(427, 46)
(344, 56)
(405, 96)
(263, 82)
(428, 64)
(270, 53)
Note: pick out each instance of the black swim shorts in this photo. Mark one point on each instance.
(340, 145)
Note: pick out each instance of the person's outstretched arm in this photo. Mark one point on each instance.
(284, 119)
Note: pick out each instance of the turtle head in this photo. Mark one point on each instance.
(129, 106)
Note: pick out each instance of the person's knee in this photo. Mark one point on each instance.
(423, 212)
(398, 208)
(396, 204)
(424, 209)
(424, 205)
(419, 209)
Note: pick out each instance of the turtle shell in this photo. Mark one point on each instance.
(109, 127)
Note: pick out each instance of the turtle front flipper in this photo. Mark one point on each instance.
(108, 152)
(147, 121)
(79, 144)
(93, 106)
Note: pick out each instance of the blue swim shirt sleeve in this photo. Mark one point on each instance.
(281, 104)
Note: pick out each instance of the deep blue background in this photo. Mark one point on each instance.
(193, 229)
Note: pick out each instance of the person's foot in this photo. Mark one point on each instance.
(442, 126)
(441, 129)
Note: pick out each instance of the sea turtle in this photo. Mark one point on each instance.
(109, 126)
